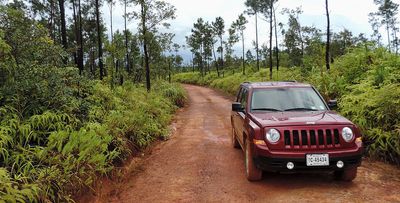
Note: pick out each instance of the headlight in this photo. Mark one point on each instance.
(347, 134)
(273, 136)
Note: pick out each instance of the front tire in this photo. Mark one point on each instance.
(347, 175)
(234, 141)
(252, 172)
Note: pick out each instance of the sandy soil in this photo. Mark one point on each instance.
(198, 165)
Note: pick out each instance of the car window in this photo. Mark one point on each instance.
(243, 99)
(287, 99)
(239, 94)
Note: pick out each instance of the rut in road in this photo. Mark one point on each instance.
(198, 165)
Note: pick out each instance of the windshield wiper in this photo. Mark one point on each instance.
(301, 109)
(266, 109)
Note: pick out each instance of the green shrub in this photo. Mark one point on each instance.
(13, 191)
(49, 156)
(59, 130)
(174, 92)
(376, 111)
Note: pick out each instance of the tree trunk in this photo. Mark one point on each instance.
(51, 21)
(396, 42)
(146, 56)
(192, 62)
(276, 43)
(80, 47)
(63, 24)
(205, 59)
(91, 62)
(388, 35)
(112, 38)
(243, 60)
(76, 60)
(111, 20)
(257, 51)
(301, 43)
(128, 66)
(328, 38)
(99, 42)
(215, 59)
(301, 39)
(201, 61)
(207, 66)
(169, 70)
(222, 52)
(270, 40)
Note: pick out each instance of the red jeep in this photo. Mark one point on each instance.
(288, 127)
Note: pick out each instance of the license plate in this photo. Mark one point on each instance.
(317, 159)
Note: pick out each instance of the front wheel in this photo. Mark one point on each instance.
(252, 172)
(346, 175)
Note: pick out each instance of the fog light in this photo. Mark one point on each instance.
(340, 164)
(290, 165)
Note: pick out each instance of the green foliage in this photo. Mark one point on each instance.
(12, 191)
(48, 135)
(60, 131)
(49, 156)
(174, 92)
(366, 81)
(376, 111)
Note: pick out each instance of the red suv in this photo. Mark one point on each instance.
(288, 127)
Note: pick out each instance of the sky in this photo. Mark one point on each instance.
(349, 14)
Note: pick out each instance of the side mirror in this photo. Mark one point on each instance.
(332, 104)
(237, 107)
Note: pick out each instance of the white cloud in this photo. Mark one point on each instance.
(350, 14)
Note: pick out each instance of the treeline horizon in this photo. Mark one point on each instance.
(79, 28)
(98, 51)
(211, 43)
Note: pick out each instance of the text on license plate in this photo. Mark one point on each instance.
(317, 159)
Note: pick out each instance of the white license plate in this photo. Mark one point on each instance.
(317, 159)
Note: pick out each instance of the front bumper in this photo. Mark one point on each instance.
(268, 160)
(279, 164)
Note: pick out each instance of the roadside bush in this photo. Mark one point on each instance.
(60, 131)
(12, 191)
(376, 111)
(174, 92)
(49, 156)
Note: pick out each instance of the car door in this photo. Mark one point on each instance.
(235, 115)
(242, 115)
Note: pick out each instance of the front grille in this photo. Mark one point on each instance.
(320, 138)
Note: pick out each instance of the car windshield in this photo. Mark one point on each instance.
(287, 99)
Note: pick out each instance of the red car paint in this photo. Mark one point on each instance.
(318, 132)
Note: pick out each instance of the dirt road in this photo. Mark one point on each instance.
(198, 165)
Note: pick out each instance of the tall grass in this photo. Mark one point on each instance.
(50, 156)
(60, 130)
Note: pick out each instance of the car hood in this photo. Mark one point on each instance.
(266, 119)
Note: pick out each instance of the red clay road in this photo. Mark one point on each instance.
(197, 164)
